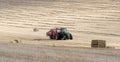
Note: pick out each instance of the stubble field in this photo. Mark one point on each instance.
(86, 20)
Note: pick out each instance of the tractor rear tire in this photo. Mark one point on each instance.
(61, 36)
(64, 37)
(58, 37)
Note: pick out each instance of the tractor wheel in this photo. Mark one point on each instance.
(51, 37)
(58, 36)
(71, 37)
(64, 37)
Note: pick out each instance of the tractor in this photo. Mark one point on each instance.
(59, 34)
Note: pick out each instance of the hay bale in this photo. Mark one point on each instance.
(98, 43)
(17, 41)
(35, 29)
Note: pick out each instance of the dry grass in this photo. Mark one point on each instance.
(33, 53)
(86, 20)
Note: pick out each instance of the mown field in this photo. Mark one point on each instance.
(33, 53)
(85, 19)
(91, 19)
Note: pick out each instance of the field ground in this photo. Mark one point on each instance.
(85, 19)
(35, 53)
(28, 36)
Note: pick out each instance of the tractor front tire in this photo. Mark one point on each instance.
(71, 37)
(58, 36)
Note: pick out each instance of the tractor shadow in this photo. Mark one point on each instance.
(43, 40)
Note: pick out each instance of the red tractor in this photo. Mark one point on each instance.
(59, 34)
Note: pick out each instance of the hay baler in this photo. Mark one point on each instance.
(59, 34)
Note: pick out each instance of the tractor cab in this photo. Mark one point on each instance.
(64, 30)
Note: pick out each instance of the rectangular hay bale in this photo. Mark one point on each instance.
(98, 43)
